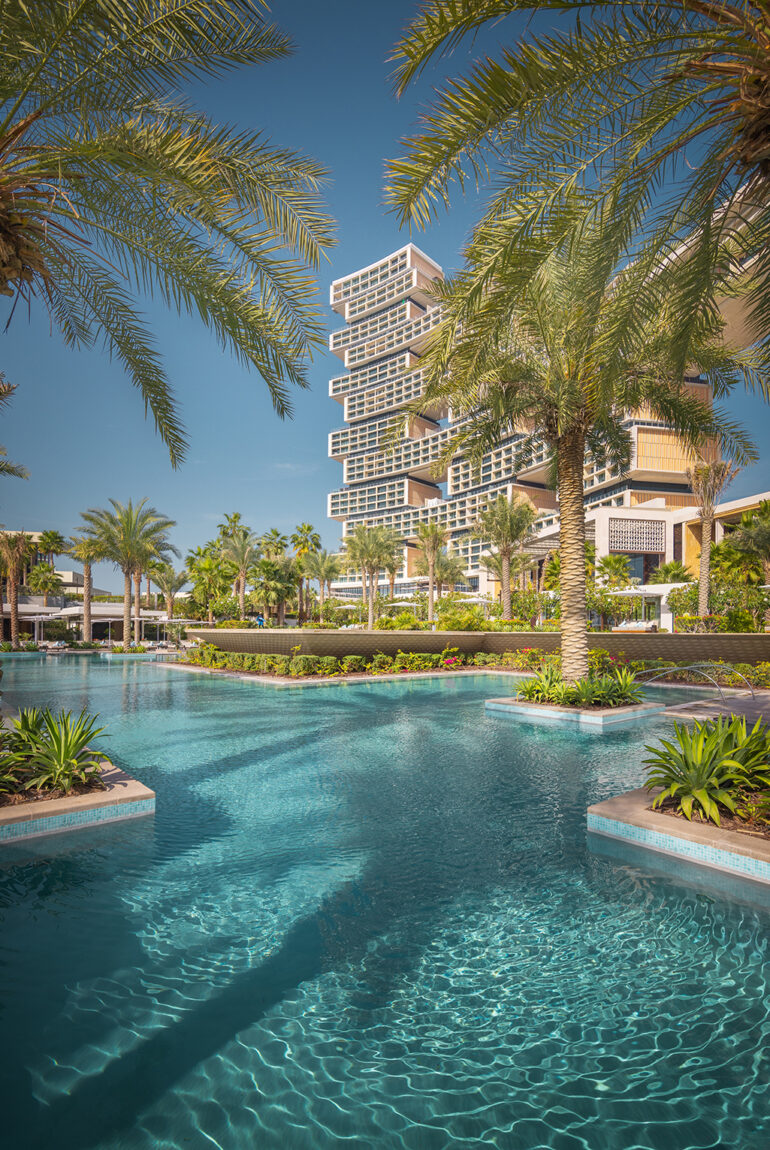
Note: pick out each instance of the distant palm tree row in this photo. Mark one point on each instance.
(135, 538)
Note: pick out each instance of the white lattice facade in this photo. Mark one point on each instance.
(388, 313)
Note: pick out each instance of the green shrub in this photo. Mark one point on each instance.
(468, 618)
(353, 663)
(381, 663)
(281, 664)
(740, 620)
(404, 621)
(416, 661)
(302, 665)
(328, 665)
(236, 623)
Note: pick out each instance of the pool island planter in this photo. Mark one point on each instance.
(628, 818)
(594, 718)
(122, 798)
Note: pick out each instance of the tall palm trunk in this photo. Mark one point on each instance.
(393, 585)
(372, 585)
(570, 453)
(137, 606)
(704, 570)
(13, 603)
(242, 594)
(126, 607)
(321, 595)
(431, 587)
(300, 601)
(87, 592)
(505, 565)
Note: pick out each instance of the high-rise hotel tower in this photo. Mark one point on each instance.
(388, 314)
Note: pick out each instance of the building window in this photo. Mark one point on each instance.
(678, 542)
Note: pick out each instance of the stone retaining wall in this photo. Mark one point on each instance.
(733, 648)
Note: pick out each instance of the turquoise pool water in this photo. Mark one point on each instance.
(365, 916)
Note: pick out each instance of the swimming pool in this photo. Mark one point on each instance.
(365, 916)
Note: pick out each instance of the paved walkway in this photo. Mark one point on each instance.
(740, 703)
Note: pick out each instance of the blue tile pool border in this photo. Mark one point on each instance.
(75, 820)
(628, 818)
(574, 716)
(123, 797)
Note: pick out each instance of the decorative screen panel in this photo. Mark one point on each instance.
(647, 535)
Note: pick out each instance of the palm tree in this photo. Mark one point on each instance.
(241, 550)
(43, 580)
(672, 572)
(274, 544)
(231, 525)
(87, 551)
(8, 469)
(169, 582)
(507, 525)
(708, 481)
(15, 550)
(431, 539)
(274, 582)
(210, 579)
(643, 97)
(51, 543)
(751, 539)
(130, 537)
(112, 186)
(448, 569)
(367, 549)
(562, 363)
(304, 540)
(324, 568)
(614, 572)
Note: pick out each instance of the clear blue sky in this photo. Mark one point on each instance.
(78, 425)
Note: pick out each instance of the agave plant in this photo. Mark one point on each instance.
(698, 771)
(61, 755)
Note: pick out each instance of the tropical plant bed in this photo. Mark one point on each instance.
(728, 822)
(94, 784)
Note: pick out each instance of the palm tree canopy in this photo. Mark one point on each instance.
(449, 568)
(673, 572)
(113, 186)
(660, 106)
(52, 543)
(572, 354)
(614, 571)
(10, 470)
(43, 580)
(505, 523)
(274, 544)
(431, 538)
(708, 480)
(305, 539)
(242, 549)
(129, 535)
(167, 580)
(16, 548)
(85, 548)
(752, 536)
(322, 566)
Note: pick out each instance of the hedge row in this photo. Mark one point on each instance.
(298, 666)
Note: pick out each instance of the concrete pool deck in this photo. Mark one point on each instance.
(627, 817)
(123, 798)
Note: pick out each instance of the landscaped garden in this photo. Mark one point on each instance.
(46, 755)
